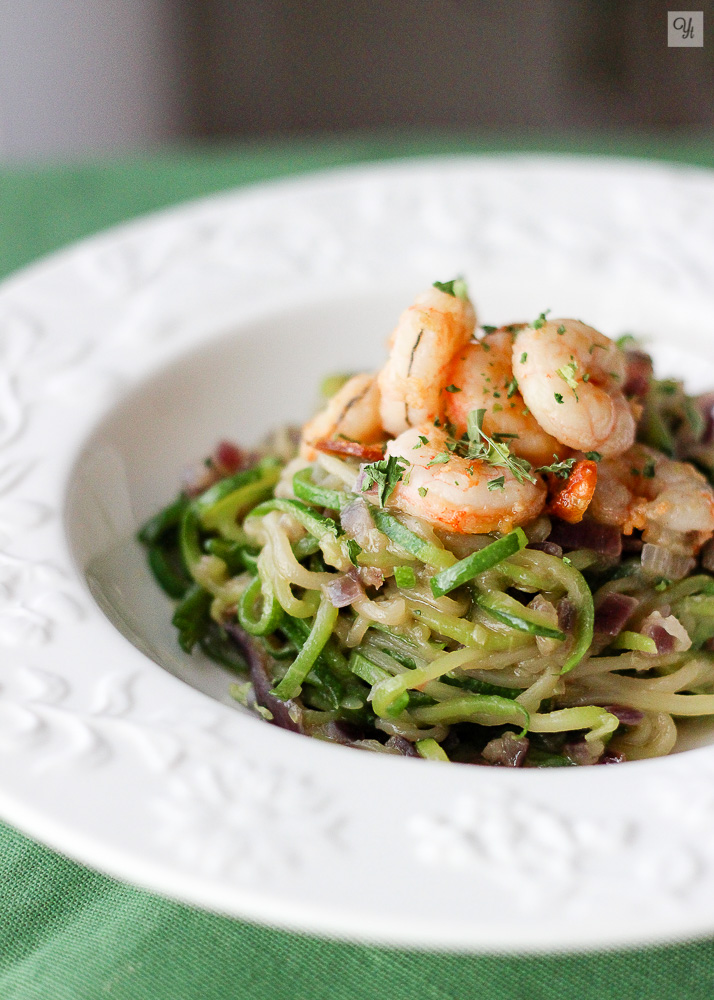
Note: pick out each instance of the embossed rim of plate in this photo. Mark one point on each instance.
(116, 763)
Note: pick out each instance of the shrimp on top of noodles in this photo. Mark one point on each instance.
(496, 549)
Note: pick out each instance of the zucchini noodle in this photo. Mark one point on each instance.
(354, 619)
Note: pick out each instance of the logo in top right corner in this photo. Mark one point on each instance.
(685, 28)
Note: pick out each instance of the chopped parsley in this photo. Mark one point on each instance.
(353, 550)
(594, 456)
(558, 468)
(456, 287)
(422, 491)
(663, 584)
(561, 329)
(496, 453)
(422, 441)
(568, 373)
(648, 470)
(541, 321)
(524, 357)
(384, 475)
(512, 387)
(586, 377)
(489, 329)
(626, 342)
(558, 397)
(497, 484)
(439, 459)
(453, 388)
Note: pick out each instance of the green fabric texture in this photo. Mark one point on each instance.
(67, 933)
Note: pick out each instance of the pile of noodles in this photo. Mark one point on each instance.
(352, 622)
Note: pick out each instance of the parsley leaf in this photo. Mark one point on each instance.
(496, 453)
(561, 329)
(422, 491)
(649, 468)
(541, 321)
(512, 387)
(452, 388)
(558, 397)
(568, 373)
(594, 456)
(497, 484)
(384, 475)
(422, 441)
(524, 357)
(353, 550)
(489, 329)
(456, 287)
(441, 459)
(558, 468)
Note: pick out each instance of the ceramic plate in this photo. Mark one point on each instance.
(126, 357)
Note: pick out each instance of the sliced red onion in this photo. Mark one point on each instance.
(344, 733)
(550, 547)
(286, 714)
(567, 615)
(508, 750)
(357, 521)
(402, 745)
(638, 373)
(359, 483)
(627, 716)
(663, 640)
(660, 561)
(612, 613)
(584, 753)
(602, 538)
(669, 635)
(370, 576)
(342, 591)
(229, 457)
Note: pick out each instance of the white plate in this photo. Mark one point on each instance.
(132, 353)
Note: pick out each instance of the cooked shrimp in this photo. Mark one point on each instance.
(456, 493)
(423, 343)
(480, 376)
(671, 501)
(571, 377)
(352, 413)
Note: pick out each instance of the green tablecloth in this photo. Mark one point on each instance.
(67, 933)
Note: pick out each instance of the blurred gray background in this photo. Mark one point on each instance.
(79, 77)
